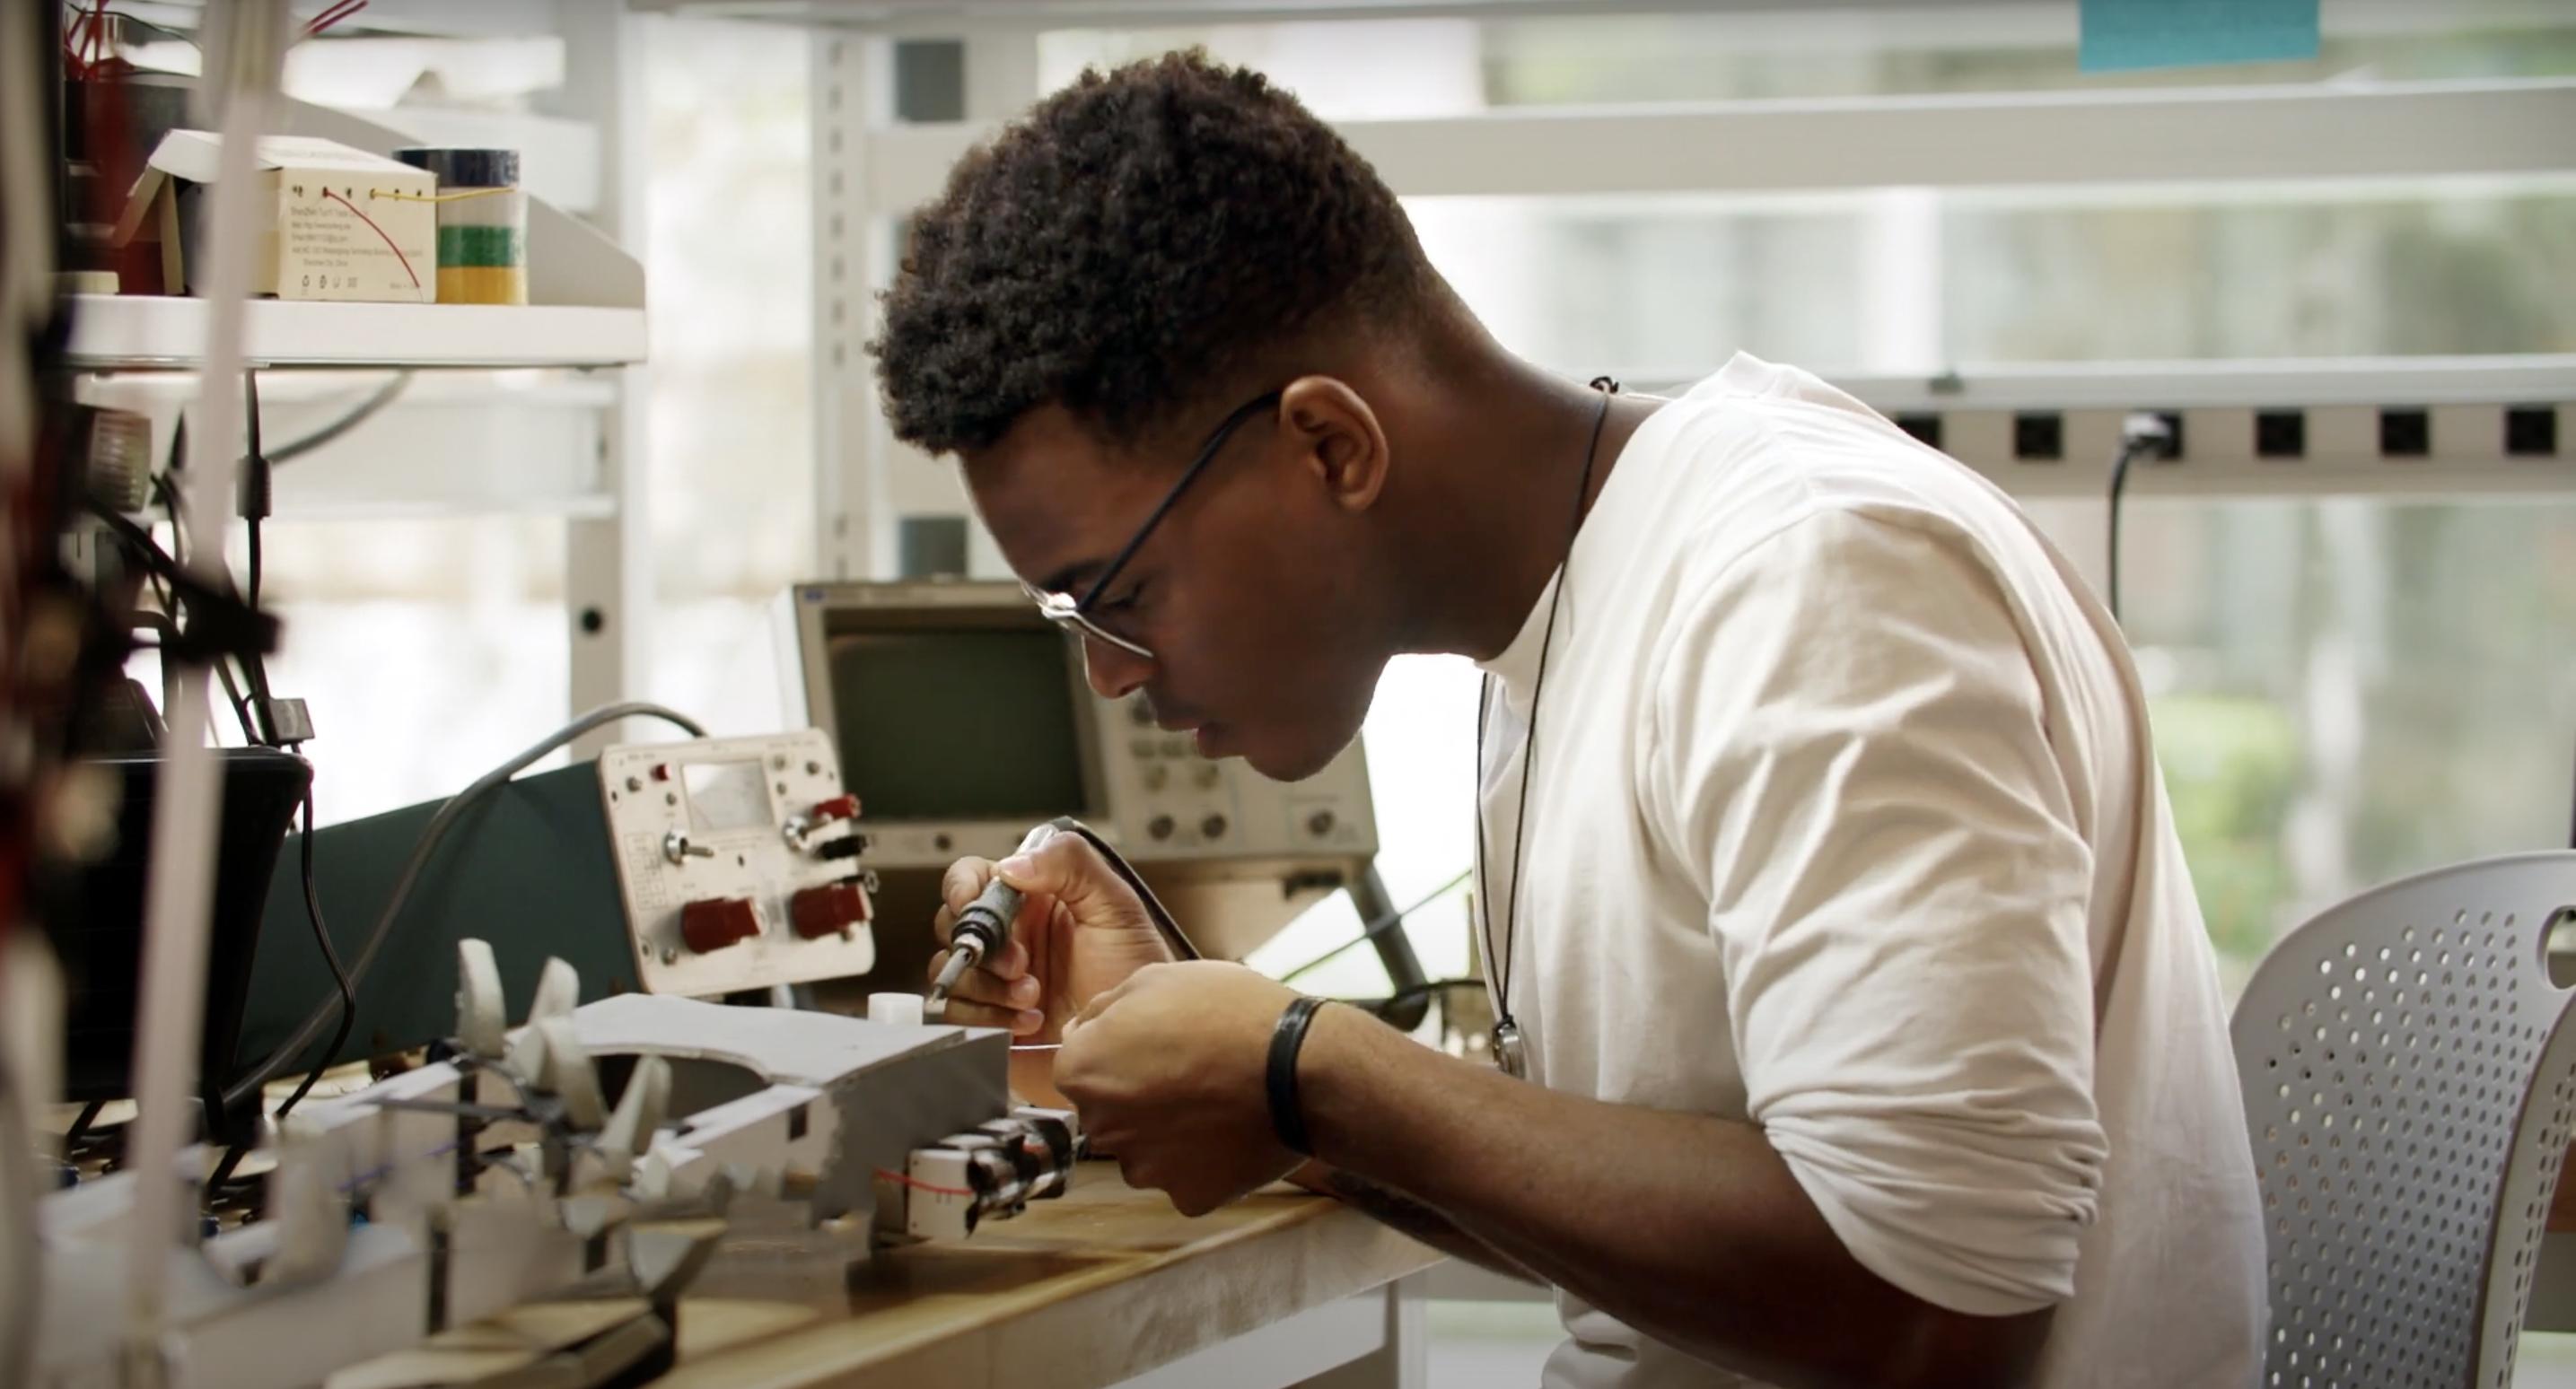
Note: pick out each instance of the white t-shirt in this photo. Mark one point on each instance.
(1847, 823)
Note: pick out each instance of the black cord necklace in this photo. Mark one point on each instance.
(1510, 1051)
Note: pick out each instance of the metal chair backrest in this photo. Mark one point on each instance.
(2410, 1082)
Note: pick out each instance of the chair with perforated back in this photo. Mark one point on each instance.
(2410, 1080)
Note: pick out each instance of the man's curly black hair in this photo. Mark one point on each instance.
(1140, 241)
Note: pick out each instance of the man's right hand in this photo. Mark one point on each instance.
(1081, 931)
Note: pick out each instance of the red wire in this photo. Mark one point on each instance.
(97, 33)
(337, 12)
(371, 226)
(917, 1184)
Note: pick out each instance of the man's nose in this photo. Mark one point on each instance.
(1114, 672)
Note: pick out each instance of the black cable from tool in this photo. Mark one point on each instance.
(1174, 938)
(1178, 941)
(430, 837)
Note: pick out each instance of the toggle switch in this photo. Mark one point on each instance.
(677, 848)
(717, 922)
(829, 910)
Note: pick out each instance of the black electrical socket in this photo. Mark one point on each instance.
(2172, 447)
(2531, 431)
(2039, 435)
(2280, 434)
(2405, 433)
(1923, 425)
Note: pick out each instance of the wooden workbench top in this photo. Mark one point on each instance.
(1101, 1285)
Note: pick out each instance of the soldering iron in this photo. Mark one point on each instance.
(983, 929)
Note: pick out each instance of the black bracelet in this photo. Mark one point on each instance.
(1287, 1115)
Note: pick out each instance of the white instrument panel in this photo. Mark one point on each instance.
(738, 861)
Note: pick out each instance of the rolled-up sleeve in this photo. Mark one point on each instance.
(1850, 743)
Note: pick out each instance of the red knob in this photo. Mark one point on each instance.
(718, 922)
(841, 807)
(828, 910)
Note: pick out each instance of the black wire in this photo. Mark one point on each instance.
(330, 956)
(171, 502)
(2142, 436)
(157, 563)
(251, 595)
(181, 35)
(81, 1123)
(141, 540)
(1165, 925)
(1425, 989)
(1529, 734)
(224, 1169)
(359, 414)
(241, 708)
(254, 487)
(255, 506)
(2119, 488)
(1379, 927)
(430, 837)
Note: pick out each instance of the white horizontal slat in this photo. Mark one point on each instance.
(2019, 139)
(111, 332)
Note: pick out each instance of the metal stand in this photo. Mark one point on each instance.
(1410, 1003)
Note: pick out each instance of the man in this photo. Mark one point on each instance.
(1869, 1030)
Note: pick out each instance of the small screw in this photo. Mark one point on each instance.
(813, 767)
(670, 798)
(635, 783)
(778, 764)
(670, 955)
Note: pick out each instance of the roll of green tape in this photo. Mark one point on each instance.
(482, 224)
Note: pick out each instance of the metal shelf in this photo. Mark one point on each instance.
(152, 332)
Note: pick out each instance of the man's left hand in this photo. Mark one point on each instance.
(1167, 1070)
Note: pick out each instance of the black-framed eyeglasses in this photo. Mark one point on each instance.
(1075, 614)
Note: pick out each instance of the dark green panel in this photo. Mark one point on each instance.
(530, 871)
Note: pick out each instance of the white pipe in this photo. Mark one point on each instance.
(241, 83)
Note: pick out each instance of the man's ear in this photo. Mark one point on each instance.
(1338, 439)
